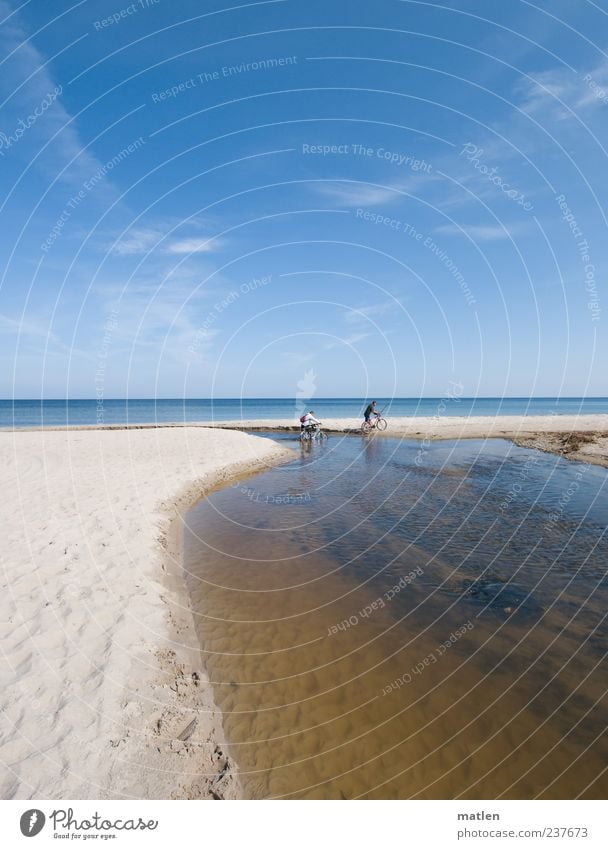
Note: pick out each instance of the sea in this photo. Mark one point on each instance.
(61, 412)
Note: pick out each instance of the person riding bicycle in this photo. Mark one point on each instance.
(370, 411)
(308, 421)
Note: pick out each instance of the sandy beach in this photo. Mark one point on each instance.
(103, 691)
(583, 438)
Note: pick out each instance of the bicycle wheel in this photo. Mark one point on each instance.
(305, 436)
(322, 436)
(366, 427)
(382, 424)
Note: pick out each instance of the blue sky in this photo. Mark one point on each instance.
(379, 198)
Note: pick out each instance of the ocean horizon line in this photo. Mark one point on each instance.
(23, 412)
(319, 398)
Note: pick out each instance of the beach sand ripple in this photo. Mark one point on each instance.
(103, 693)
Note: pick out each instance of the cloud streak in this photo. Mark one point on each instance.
(192, 246)
(26, 83)
(559, 92)
(143, 240)
(480, 232)
(354, 193)
(366, 313)
(348, 341)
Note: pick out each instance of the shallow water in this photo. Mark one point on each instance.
(384, 621)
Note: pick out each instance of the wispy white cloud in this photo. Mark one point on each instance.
(348, 341)
(551, 107)
(32, 331)
(480, 232)
(193, 245)
(137, 241)
(561, 93)
(25, 83)
(23, 327)
(143, 240)
(361, 194)
(371, 311)
(164, 323)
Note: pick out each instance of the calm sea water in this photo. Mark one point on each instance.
(138, 411)
(380, 620)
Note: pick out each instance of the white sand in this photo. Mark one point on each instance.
(414, 427)
(98, 643)
(556, 434)
(446, 427)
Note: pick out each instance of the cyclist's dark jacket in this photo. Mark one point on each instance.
(369, 410)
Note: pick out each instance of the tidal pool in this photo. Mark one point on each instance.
(384, 620)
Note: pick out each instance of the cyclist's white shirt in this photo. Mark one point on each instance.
(310, 420)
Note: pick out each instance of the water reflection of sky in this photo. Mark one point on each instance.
(508, 539)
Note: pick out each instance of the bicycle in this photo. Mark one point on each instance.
(377, 422)
(307, 434)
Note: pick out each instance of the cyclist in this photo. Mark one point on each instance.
(370, 411)
(308, 421)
